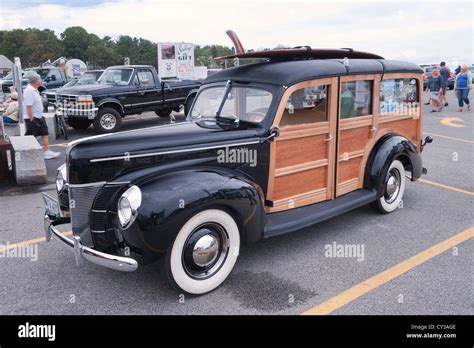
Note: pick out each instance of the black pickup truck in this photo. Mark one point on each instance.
(123, 90)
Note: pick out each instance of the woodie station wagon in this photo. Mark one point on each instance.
(266, 149)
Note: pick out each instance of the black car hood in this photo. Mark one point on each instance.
(158, 139)
(96, 88)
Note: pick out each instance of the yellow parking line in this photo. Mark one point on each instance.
(451, 138)
(374, 282)
(27, 242)
(446, 187)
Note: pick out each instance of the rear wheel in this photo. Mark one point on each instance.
(108, 120)
(203, 253)
(394, 188)
(79, 123)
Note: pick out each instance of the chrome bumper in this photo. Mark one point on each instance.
(119, 263)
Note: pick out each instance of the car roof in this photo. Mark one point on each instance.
(130, 66)
(290, 72)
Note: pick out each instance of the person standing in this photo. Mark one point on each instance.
(11, 112)
(436, 85)
(33, 110)
(462, 86)
(446, 73)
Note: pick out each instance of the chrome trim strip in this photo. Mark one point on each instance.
(118, 263)
(98, 211)
(98, 183)
(172, 151)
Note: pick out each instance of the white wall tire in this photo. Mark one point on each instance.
(199, 282)
(394, 189)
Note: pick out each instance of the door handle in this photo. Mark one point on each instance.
(373, 129)
(328, 138)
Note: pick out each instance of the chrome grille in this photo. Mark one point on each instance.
(61, 98)
(81, 198)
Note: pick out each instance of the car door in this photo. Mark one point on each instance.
(147, 91)
(302, 157)
(357, 127)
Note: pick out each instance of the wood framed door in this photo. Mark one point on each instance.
(357, 127)
(302, 157)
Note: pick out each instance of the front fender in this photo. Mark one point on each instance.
(104, 101)
(384, 152)
(171, 199)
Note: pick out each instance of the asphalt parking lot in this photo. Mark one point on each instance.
(417, 260)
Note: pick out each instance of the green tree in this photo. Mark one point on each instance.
(76, 41)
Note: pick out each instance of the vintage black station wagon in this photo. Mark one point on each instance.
(267, 149)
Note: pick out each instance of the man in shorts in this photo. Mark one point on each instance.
(445, 72)
(33, 111)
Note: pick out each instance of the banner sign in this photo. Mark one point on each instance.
(176, 60)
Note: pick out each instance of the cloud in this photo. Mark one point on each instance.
(403, 30)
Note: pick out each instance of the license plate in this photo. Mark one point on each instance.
(51, 206)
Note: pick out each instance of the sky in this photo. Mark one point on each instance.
(421, 32)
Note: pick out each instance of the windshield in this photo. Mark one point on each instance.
(42, 73)
(88, 79)
(245, 103)
(116, 76)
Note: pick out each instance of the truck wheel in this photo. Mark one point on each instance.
(163, 112)
(189, 103)
(108, 120)
(79, 123)
(394, 189)
(203, 253)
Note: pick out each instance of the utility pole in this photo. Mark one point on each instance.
(17, 82)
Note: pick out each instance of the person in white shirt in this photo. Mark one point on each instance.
(33, 109)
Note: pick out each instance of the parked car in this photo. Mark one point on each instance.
(265, 150)
(51, 77)
(123, 90)
(87, 78)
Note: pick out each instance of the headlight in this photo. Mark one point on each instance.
(61, 178)
(128, 205)
(84, 98)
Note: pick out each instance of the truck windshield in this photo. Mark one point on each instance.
(245, 103)
(88, 79)
(116, 76)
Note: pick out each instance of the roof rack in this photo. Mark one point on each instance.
(296, 53)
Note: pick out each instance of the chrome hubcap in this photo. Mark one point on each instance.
(392, 187)
(205, 251)
(108, 121)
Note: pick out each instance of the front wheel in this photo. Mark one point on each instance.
(108, 120)
(394, 188)
(164, 113)
(203, 253)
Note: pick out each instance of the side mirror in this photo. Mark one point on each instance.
(47, 79)
(428, 140)
(168, 87)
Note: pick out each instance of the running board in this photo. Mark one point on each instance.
(298, 218)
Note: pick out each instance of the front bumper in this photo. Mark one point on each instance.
(81, 252)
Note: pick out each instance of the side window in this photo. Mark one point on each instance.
(305, 106)
(399, 97)
(56, 75)
(146, 75)
(356, 99)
